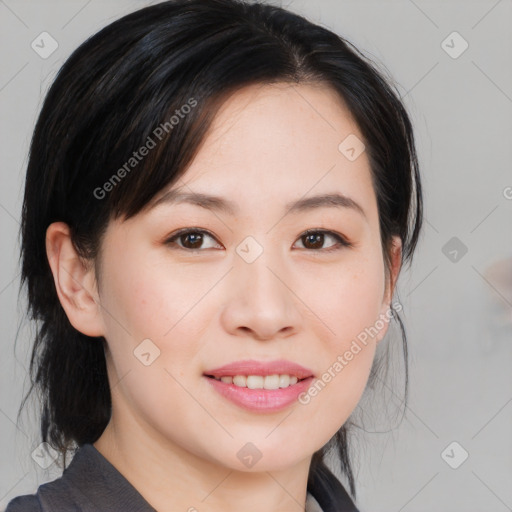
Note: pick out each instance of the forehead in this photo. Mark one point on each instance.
(269, 141)
(281, 122)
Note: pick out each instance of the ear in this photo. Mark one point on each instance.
(392, 276)
(75, 281)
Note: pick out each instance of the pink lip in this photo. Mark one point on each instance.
(261, 400)
(252, 367)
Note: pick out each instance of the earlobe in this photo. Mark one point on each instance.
(74, 280)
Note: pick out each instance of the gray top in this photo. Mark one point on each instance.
(91, 483)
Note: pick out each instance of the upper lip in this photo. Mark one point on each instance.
(263, 368)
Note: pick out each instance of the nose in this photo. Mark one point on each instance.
(261, 301)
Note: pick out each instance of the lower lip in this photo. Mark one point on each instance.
(261, 400)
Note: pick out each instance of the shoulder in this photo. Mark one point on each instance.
(51, 496)
(54, 495)
(89, 484)
(25, 503)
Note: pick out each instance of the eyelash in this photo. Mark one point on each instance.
(342, 241)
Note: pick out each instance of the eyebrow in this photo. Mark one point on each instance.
(219, 204)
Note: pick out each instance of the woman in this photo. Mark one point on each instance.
(219, 199)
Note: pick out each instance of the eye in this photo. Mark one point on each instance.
(315, 238)
(192, 239)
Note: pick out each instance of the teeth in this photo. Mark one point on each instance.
(260, 382)
(240, 380)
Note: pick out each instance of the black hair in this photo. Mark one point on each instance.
(108, 99)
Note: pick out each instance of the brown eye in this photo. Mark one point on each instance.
(191, 239)
(315, 239)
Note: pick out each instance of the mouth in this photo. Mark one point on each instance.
(260, 394)
(260, 386)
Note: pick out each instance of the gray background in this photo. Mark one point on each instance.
(457, 307)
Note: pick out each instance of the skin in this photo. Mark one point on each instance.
(171, 435)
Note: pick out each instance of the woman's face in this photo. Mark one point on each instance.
(247, 283)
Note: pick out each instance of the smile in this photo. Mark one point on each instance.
(258, 398)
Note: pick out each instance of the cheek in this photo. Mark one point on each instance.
(149, 302)
(358, 303)
(349, 306)
(151, 299)
(153, 333)
(347, 298)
